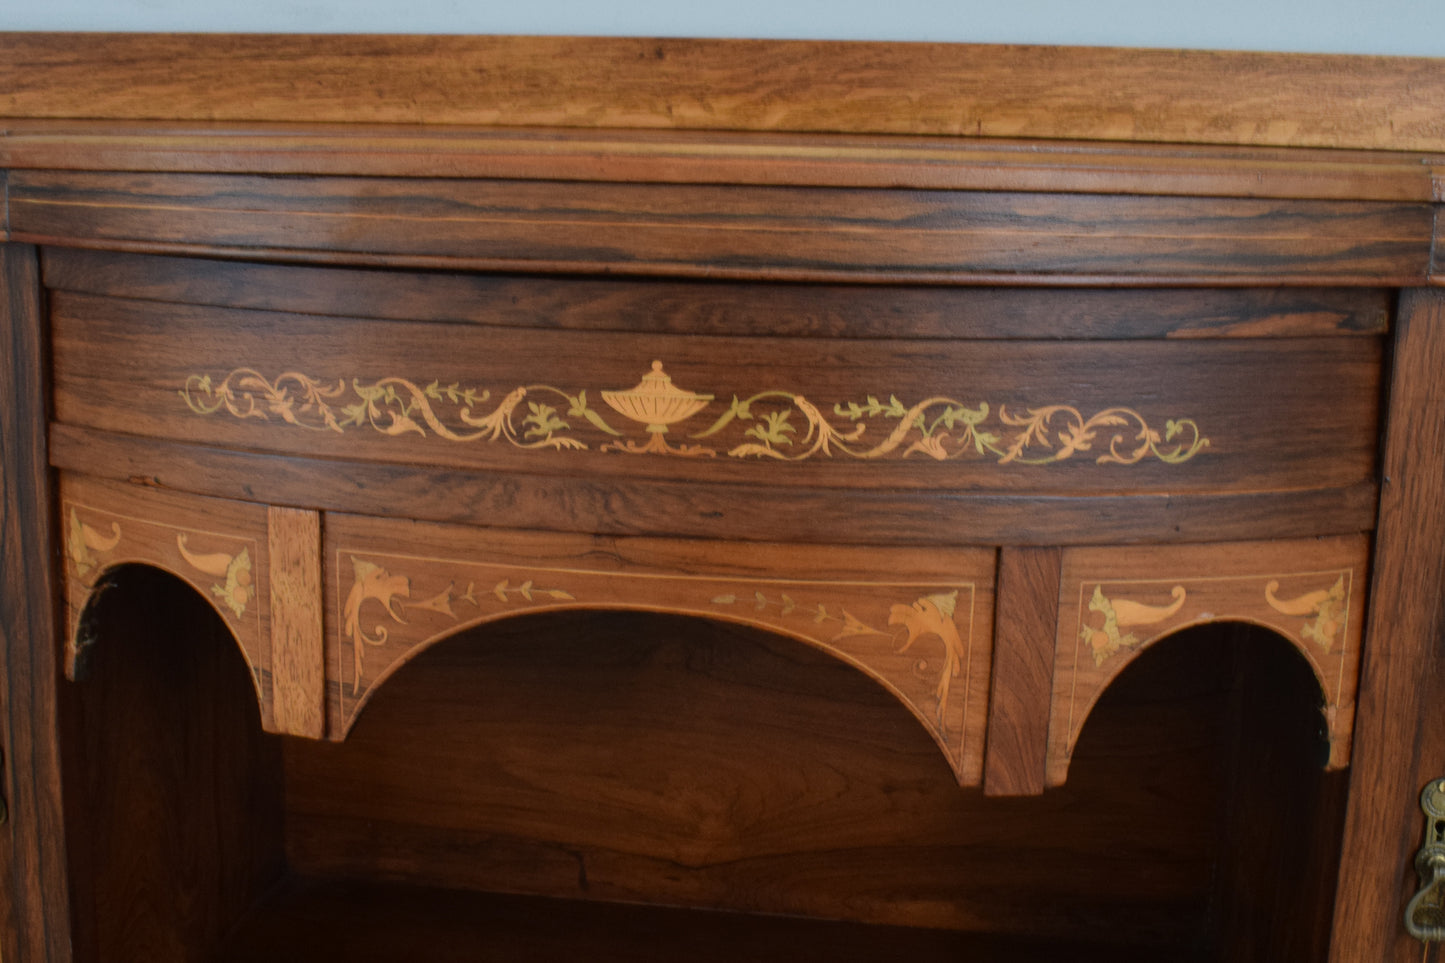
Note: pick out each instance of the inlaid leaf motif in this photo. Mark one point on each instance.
(775, 431)
(543, 419)
(783, 425)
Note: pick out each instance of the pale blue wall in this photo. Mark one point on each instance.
(1335, 26)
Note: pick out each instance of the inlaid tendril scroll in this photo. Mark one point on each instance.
(775, 424)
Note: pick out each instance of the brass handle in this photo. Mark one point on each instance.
(1425, 916)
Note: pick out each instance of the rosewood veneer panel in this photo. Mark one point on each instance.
(741, 770)
(173, 796)
(259, 568)
(1114, 603)
(695, 157)
(219, 548)
(802, 295)
(1040, 417)
(919, 622)
(312, 920)
(1023, 671)
(751, 232)
(618, 506)
(725, 308)
(1400, 745)
(33, 839)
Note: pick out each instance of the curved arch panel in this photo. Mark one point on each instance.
(218, 548)
(1114, 603)
(918, 622)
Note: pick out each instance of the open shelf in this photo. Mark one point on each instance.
(653, 788)
(307, 920)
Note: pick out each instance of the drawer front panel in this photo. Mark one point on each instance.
(1022, 417)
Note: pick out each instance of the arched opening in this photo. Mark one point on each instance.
(871, 626)
(85, 635)
(1243, 706)
(617, 762)
(173, 803)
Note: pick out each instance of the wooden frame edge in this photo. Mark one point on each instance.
(1069, 93)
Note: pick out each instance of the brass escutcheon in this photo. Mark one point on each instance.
(1425, 915)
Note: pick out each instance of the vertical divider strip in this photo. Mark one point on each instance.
(1026, 627)
(298, 678)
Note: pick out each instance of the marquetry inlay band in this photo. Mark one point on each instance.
(773, 424)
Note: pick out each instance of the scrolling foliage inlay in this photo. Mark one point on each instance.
(916, 638)
(218, 563)
(1116, 602)
(780, 425)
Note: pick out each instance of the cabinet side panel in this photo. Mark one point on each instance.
(1397, 728)
(28, 635)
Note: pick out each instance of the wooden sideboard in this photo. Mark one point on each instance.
(502, 498)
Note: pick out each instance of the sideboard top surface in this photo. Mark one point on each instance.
(1080, 93)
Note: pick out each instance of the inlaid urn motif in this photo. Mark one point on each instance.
(656, 402)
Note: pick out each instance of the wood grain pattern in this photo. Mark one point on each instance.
(1113, 603)
(1398, 739)
(172, 792)
(919, 623)
(734, 769)
(744, 771)
(730, 232)
(310, 920)
(1056, 417)
(1010, 91)
(220, 549)
(298, 670)
(701, 509)
(1437, 248)
(690, 157)
(38, 918)
(1026, 622)
(10, 906)
(1277, 876)
(728, 309)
